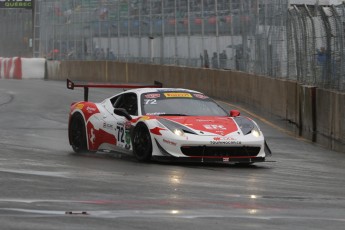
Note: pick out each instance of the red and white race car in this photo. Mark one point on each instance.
(166, 124)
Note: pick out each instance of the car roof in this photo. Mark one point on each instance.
(160, 90)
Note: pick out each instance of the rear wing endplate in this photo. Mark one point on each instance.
(71, 85)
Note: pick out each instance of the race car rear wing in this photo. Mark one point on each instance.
(71, 85)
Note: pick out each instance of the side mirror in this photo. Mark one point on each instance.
(234, 113)
(123, 113)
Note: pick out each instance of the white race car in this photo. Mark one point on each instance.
(164, 124)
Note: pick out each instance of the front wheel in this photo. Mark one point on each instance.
(142, 144)
(77, 133)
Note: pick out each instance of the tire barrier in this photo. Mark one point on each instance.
(22, 68)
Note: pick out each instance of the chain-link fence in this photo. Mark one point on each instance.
(16, 32)
(246, 35)
(265, 37)
(316, 45)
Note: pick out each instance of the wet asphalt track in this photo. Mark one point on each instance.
(45, 186)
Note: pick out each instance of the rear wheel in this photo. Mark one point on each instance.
(142, 144)
(77, 133)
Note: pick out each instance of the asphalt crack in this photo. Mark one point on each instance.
(6, 99)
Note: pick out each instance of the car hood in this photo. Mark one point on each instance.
(208, 124)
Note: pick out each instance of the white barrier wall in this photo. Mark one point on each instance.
(33, 68)
(22, 68)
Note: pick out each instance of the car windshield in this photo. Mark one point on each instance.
(180, 104)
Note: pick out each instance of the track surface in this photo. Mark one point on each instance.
(44, 185)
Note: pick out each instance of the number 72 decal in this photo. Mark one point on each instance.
(150, 102)
(123, 136)
(120, 134)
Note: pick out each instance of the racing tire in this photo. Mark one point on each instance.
(142, 143)
(77, 133)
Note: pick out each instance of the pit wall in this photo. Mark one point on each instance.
(318, 114)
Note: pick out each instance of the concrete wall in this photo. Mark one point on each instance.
(330, 119)
(319, 114)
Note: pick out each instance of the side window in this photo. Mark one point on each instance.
(127, 101)
(131, 103)
(117, 101)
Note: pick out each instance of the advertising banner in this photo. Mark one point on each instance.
(16, 4)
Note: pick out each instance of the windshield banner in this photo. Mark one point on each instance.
(16, 4)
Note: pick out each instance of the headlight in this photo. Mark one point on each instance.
(248, 126)
(256, 132)
(176, 128)
(178, 132)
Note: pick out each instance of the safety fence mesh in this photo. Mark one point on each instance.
(16, 32)
(264, 37)
(245, 35)
(315, 47)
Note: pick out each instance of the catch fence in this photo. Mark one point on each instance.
(263, 37)
(245, 35)
(316, 45)
(16, 32)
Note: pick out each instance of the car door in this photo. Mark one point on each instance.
(129, 102)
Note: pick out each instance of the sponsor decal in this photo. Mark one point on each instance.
(156, 113)
(127, 138)
(128, 125)
(27, 4)
(178, 95)
(169, 142)
(144, 118)
(224, 139)
(152, 95)
(200, 96)
(90, 110)
(107, 126)
(225, 142)
(214, 127)
(79, 106)
(171, 90)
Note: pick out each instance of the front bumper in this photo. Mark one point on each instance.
(246, 160)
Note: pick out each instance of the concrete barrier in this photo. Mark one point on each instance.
(318, 114)
(22, 68)
(33, 68)
(307, 112)
(10, 68)
(330, 119)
